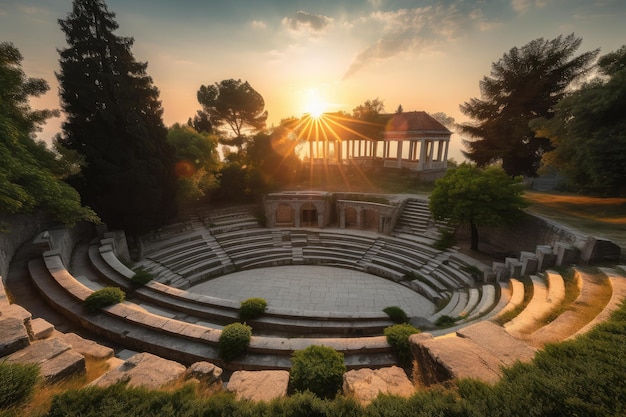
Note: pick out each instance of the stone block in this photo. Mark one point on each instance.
(41, 328)
(597, 249)
(514, 266)
(529, 263)
(13, 335)
(39, 352)
(62, 366)
(143, 370)
(87, 348)
(451, 358)
(259, 385)
(366, 384)
(499, 342)
(500, 271)
(566, 254)
(546, 258)
(205, 372)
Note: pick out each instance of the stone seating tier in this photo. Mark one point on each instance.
(136, 328)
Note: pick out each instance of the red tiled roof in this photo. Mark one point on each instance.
(412, 124)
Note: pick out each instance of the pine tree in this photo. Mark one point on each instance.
(526, 83)
(114, 120)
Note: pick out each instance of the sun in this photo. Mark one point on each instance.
(314, 104)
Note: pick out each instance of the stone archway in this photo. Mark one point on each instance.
(308, 215)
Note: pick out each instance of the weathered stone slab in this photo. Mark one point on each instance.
(205, 372)
(448, 358)
(13, 336)
(39, 352)
(85, 347)
(145, 370)
(41, 328)
(366, 384)
(499, 342)
(259, 385)
(67, 364)
(54, 357)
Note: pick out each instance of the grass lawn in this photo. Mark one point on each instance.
(605, 217)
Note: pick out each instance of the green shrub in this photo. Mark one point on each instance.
(252, 308)
(398, 337)
(445, 321)
(17, 383)
(446, 239)
(234, 340)
(141, 278)
(318, 369)
(396, 314)
(102, 298)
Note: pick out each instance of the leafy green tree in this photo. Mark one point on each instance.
(369, 111)
(478, 197)
(114, 121)
(197, 161)
(234, 104)
(588, 130)
(30, 174)
(272, 160)
(524, 84)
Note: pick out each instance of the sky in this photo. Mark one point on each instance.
(303, 56)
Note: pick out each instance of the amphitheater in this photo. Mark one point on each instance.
(195, 262)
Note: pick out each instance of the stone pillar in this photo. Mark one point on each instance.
(297, 214)
(422, 154)
(399, 154)
(359, 222)
(342, 218)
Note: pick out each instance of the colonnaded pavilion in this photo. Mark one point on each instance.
(413, 141)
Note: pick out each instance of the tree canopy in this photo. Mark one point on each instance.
(114, 121)
(369, 111)
(524, 84)
(234, 104)
(588, 130)
(197, 161)
(30, 174)
(477, 196)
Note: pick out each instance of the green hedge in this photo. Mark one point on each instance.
(396, 314)
(17, 383)
(252, 308)
(103, 298)
(398, 337)
(141, 278)
(234, 340)
(318, 369)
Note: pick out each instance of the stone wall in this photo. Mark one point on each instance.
(16, 230)
(524, 235)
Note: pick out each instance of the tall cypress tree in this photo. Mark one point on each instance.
(114, 120)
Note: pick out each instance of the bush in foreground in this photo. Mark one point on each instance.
(17, 383)
(252, 308)
(103, 298)
(318, 369)
(398, 337)
(234, 340)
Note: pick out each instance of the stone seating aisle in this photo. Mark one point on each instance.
(415, 217)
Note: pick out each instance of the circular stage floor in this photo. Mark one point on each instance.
(316, 288)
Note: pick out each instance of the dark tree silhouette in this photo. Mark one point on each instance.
(524, 84)
(114, 120)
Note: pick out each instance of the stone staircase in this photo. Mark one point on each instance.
(415, 218)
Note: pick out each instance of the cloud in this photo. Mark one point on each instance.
(425, 28)
(258, 24)
(522, 6)
(32, 10)
(307, 22)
